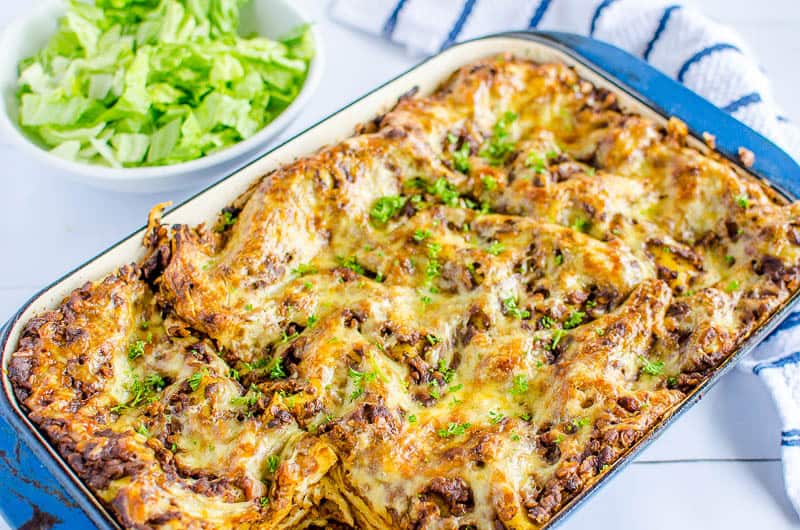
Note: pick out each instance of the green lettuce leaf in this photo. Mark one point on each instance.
(152, 82)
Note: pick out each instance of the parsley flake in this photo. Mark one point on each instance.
(574, 320)
(272, 463)
(196, 378)
(136, 350)
(511, 308)
(500, 145)
(496, 417)
(387, 207)
(651, 367)
(304, 268)
(421, 235)
(519, 385)
(454, 429)
(360, 379)
(496, 248)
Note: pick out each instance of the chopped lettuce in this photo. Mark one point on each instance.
(128, 83)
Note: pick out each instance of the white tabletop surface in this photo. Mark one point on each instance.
(718, 467)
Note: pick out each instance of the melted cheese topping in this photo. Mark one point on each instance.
(457, 318)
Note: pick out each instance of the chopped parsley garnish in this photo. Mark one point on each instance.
(360, 379)
(387, 207)
(489, 183)
(730, 260)
(143, 391)
(496, 248)
(574, 320)
(432, 339)
(651, 367)
(425, 299)
(600, 331)
(732, 286)
(580, 422)
(519, 385)
(515, 437)
(272, 463)
(412, 418)
(136, 350)
(445, 191)
(312, 321)
(421, 235)
(263, 501)
(526, 417)
(304, 268)
(454, 429)
(581, 224)
(276, 371)
(496, 417)
(511, 308)
(142, 429)
(558, 334)
(228, 219)
(434, 268)
(460, 155)
(249, 399)
(286, 337)
(447, 373)
(546, 321)
(500, 145)
(248, 307)
(672, 381)
(233, 373)
(196, 378)
(535, 161)
(743, 201)
(559, 259)
(352, 264)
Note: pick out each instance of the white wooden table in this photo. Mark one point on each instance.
(717, 468)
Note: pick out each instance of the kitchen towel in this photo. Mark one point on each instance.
(705, 56)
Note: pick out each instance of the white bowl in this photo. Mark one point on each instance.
(25, 36)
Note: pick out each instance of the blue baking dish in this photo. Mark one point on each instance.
(37, 488)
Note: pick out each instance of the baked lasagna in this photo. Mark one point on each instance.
(458, 318)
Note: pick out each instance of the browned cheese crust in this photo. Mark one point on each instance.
(460, 317)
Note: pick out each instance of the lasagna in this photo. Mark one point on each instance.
(458, 318)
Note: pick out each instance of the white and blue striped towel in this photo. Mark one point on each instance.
(707, 57)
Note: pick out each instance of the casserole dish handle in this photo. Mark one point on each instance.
(659, 91)
(30, 495)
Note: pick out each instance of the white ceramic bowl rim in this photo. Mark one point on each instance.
(159, 172)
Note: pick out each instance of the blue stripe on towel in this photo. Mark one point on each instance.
(791, 443)
(790, 322)
(704, 53)
(662, 25)
(541, 9)
(459, 25)
(744, 101)
(391, 22)
(791, 433)
(599, 11)
(782, 118)
(783, 361)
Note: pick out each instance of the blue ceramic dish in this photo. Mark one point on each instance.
(36, 485)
